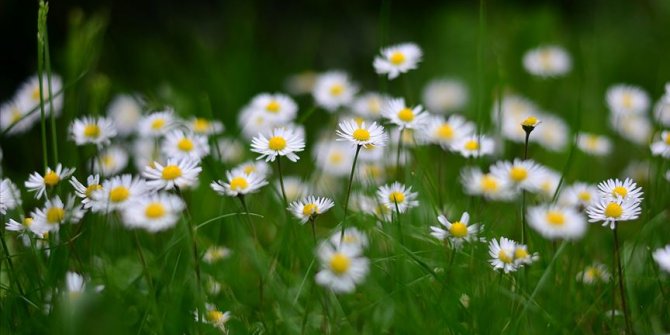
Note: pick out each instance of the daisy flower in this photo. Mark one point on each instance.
(447, 132)
(333, 90)
(154, 212)
(553, 134)
(595, 145)
(280, 142)
(84, 192)
(613, 189)
(554, 222)
(92, 130)
(74, 284)
(300, 83)
(368, 105)
(310, 207)
(520, 174)
(634, 128)
(111, 161)
(623, 99)
(474, 146)
(145, 152)
(238, 183)
(352, 239)
(117, 193)
(445, 95)
(397, 59)
(548, 183)
(10, 196)
(662, 147)
(214, 254)
(178, 144)
(512, 111)
(230, 150)
(488, 185)
(277, 107)
(125, 111)
(593, 274)
(502, 254)
(402, 115)
(253, 121)
(28, 95)
(662, 257)
(53, 214)
(334, 158)
(202, 126)
(20, 227)
(360, 134)
(156, 124)
(341, 268)
(610, 211)
(397, 197)
(522, 256)
(20, 121)
(547, 61)
(181, 173)
(662, 108)
(39, 184)
(259, 167)
(578, 195)
(215, 317)
(456, 232)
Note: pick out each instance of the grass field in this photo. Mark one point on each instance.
(188, 154)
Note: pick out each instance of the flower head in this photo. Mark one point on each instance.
(613, 189)
(117, 193)
(238, 182)
(362, 134)
(397, 59)
(53, 214)
(179, 144)
(474, 146)
(593, 274)
(554, 222)
(154, 212)
(613, 210)
(333, 90)
(662, 257)
(182, 173)
(280, 142)
(547, 61)
(397, 197)
(37, 183)
(341, 268)
(456, 232)
(310, 207)
(404, 116)
(92, 130)
(445, 96)
(662, 146)
(156, 124)
(202, 126)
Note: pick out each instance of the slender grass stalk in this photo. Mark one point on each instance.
(52, 111)
(397, 157)
(622, 290)
(346, 200)
(10, 264)
(41, 21)
(281, 182)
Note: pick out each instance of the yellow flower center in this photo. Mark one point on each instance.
(584, 196)
(277, 143)
(55, 215)
(15, 116)
(613, 210)
(249, 169)
(36, 93)
(273, 107)
(445, 131)
(200, 125)
(472, 145)
(458, 229)
(518, 173)
(555, 218)
(397, 58)
(171, 172)
(27, 222)
(406, 115)
(530, 121)
(397, 197)
(51, 178)
(620, 191)
(157, 124)
(309, 210)
(336, 90)
(108, 160)
(504, 257)
(627, 100)
(336, 158)
(155, 210)
(489, 183)
(667, 139)
(119, 194)
(349, 239)
(520, 253)
(185, 144)
(339, 263)
(238, 184)
(215, 316)
(92, 188)
(361, 134)
(592, 273)
(92, 130)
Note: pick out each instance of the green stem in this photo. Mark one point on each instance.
(622, 290)
(346, 200)
(281, 182)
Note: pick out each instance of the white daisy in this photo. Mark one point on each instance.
(488, 185)
(593, 274)
(215, 317)
(74, 284)
(548, 183)
(333, 90)
(300, 83)
(397, 197)
(502, 254)
(547, 61)
(509, 113)
(522, 256)
(397, 59)
(370, 174)
(146, 151)
(635, 128)
(592, 144)
(238, 182)
(111, 161)
(39, 184)
(154, 212)
(662, 147)
(456, 232)
(474, 146)
(259, 167)
(334, 158)
(53, 214)
(368, 105)
(117, 193)
(230, 150)
(276, 107)
(181, 173)
(202, 126)
(360, 134)
(280, 142)
(253, 121)
(520, 174)
(178, 144)
(352, 239)
(578, 195)
(10, 196)
(125, 111)
(28, 95)
(662, 108)
(662, 257)
(637, 170)
(19, 119)
(623, 99)
(445, 95)
(553, 134)
(156, 124)
(84, 192)
(214, 254)
(341, 268)
(22, 228)
(402, 115)
(447, 132)
(613, 189)
(92, 130)
(310, 207)
(611, 211)
(554, 222)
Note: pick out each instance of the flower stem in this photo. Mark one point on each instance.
(622, 290)
(312, 222)
(281, 182)
(346, 200)
(397, 157)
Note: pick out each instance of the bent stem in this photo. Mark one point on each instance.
(346, 200)
(622, 290)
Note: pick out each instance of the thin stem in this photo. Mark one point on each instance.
(9, 263)
(40, 70)
(525, 148)
(52, 112)
(246, 210)
(397, 220)
(346, 200)
(622, 290)
(312, 222)
(523, 196)
(281, 181)
(397, 157)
